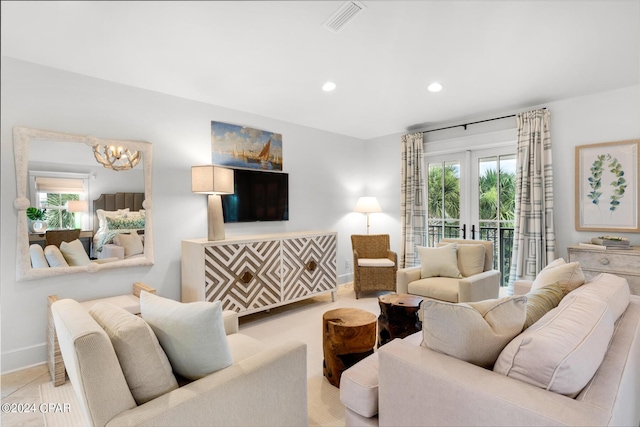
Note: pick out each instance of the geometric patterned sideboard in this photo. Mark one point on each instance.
(254, 273)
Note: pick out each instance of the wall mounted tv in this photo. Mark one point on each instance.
(258, 196)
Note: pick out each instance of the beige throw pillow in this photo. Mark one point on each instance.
(192, 334)
(569, 275)
(132, 243)
(439, 262)
(541, 301)
(144, 364)
(471, 259)
(562, 351)
(74, 253)
(474, 332)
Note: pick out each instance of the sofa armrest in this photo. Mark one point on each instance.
(419, 386)
(404, 276)
(111, 250)
(231, 323)
(485, 285)
(242, 394)
(139, 286)
(393, 257)
(522, 287)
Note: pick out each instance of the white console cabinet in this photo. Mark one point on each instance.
(254, 273)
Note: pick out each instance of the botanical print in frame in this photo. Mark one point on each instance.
(606, 188)
(245, 147)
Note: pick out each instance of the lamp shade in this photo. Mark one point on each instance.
(211, 179)
(77, 206)
(367, 205)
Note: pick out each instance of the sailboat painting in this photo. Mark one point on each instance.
(245, 147)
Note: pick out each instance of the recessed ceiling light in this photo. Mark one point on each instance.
(434, 87)
(328, 86)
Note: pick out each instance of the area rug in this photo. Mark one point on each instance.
(325, 408)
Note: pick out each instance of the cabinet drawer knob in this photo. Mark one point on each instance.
(246, 277)
(604, 261)
(311, 265)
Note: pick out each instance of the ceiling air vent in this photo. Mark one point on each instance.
(341, 17)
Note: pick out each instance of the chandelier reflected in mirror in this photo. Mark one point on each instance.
(115, 157)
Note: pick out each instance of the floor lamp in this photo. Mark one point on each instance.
(214, 181)
(367, 205)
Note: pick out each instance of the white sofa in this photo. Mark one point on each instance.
(263, 386)
(408, 384)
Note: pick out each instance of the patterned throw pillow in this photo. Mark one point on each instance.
(542, 300)
(125, 223)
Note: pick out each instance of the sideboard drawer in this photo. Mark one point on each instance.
(623, 263)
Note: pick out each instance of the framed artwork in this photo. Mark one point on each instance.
(607, 186)
(245, 147)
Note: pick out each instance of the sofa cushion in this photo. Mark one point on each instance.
(439, 262)
(243, 346)
(192, 334)
(569, 275)
(563, 350)
(474, 332)
(359, 387)
(54, 256)
(614, 290)
(470, 259)
(144, 363)
(541, 301)
(131, 243)
(38, 260)
(74, 253)
(440, 288)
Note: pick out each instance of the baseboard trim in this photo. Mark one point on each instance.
(23, 358)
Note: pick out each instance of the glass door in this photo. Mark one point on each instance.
(471, 195)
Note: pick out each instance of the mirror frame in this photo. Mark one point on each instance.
(21, 138)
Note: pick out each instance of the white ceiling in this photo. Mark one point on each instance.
(271, 58)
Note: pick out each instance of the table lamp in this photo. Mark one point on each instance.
(367, 205)
(214, 181)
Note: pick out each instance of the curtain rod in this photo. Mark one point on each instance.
(464, 125)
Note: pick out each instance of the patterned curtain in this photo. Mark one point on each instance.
(534, 241)
(413, 195)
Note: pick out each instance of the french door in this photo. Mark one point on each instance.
(471, 195)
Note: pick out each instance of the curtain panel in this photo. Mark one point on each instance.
(534, 242)
(413, 209)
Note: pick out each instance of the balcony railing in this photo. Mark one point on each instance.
(502, 244)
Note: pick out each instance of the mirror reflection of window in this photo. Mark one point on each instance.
(53, 191)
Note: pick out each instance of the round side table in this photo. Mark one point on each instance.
(398, 316)
(349, 335)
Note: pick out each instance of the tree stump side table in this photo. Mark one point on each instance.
(398, 316)
(349, 335)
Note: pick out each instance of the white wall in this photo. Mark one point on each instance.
(603, 117)
(325, 179)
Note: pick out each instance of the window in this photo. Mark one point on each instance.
(52, 191)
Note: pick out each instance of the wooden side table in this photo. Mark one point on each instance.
(398, 316)
(349, 335)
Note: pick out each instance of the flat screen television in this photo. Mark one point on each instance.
(258, 196)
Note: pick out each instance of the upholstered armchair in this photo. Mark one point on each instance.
(437, 277)
(374, 264)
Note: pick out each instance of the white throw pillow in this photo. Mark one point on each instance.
(144, 364)
(471, 259)
(439, 262)
(474, 332)
(54, 257)
(192, 334)
(569, 275)
(38, 260)
(562, 351)
(74, 253)
(132, 243)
